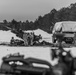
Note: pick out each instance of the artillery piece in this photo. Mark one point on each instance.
(26, 38)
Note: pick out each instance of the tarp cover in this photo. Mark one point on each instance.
(65, 26)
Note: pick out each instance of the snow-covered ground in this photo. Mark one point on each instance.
(5, 36)
(36, 52)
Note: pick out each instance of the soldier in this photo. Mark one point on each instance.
(32, 38)
(28, 38)
(25, 37)
(12, 41)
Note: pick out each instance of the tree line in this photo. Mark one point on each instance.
(47, 21)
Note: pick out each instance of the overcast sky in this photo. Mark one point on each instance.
(29, 9)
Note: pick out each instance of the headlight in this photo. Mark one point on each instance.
(64, 53)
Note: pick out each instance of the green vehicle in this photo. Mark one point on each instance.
(66, 28)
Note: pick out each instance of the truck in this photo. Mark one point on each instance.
(65, 28)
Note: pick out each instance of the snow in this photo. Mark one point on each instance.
(6, 36)
(36, 52)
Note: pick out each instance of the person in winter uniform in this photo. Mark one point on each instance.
(32, 38)
(25, 38)
(12, 41)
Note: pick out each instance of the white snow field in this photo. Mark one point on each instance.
(43, 53)
(5, 36)
(36, 52)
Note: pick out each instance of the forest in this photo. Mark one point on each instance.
(45, 22)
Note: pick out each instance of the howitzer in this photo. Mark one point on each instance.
(26, 67)
(27, 38)
(18, 32)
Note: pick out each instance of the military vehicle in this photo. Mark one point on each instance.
(18, 65)
(67, 28)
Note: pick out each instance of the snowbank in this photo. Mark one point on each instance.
(6, 36)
